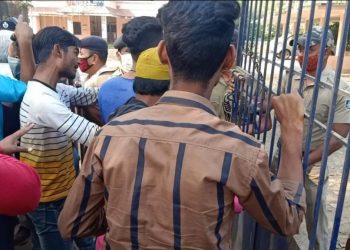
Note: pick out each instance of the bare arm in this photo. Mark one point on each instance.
(291, 116)
(24, 36)
(334, 144)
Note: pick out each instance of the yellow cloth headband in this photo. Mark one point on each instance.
(148, 66)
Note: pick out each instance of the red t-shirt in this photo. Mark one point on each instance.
(20, 188)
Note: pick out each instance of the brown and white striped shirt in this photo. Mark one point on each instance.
(164, 177)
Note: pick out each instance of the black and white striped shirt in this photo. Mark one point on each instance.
(56, 126)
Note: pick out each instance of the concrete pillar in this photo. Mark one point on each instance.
(292, 26)
(306, 26)
(321, 22)
(116, 27)
(283, 26)
(70, 24)
(104, 27)
(34, 23)
(341, 19)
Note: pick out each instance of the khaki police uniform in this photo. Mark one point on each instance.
(217, 97)
(102, 75)
(342, 115)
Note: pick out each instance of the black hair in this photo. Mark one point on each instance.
(119, 44)
(46, 38)
(234, 40)
(197, 36)
(142, 33)
(145, 86)
(101, 54)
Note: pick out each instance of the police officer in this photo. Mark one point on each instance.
(341, 123)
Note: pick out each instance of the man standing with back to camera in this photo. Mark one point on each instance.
(164, 176)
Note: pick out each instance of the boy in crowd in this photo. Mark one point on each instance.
(181, 164)
(139, 34)
(56, 52)
(151, 81)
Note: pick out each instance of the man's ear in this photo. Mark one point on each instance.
(229, 58)
(94, 58)
(13, 50)
(328, 52)
(57, 51)
(162, 52)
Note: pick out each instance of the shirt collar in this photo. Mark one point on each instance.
(44, 84)
(189, 99)
(324, 78)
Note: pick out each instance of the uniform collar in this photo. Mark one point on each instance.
(324, 78)
(189, 99)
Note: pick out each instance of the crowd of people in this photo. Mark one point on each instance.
(141, 155)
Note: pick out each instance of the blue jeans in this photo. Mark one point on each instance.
(7, 227)
(76, 158)
(47, 236)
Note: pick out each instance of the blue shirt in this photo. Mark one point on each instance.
(11, 90)
(114, 93)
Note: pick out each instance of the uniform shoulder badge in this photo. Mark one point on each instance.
(347, 104)
(5, 25)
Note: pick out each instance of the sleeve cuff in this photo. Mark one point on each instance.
(295, 193)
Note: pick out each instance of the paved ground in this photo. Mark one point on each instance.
(335, 163)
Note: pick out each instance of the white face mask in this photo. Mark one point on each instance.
(15, 65)
(126, 61)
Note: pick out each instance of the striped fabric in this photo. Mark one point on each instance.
(164, 178)
(51, 138)
(72, 96)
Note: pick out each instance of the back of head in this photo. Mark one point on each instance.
(7, 27)
(46, 38)
(97, 45)
(234, 40)
(142, 33)
(152, 77)
(197, 36)
(119, 43)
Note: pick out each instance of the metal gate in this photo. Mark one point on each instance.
(264, 55)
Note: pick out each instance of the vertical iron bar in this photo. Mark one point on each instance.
(266, 61)
(341, 198)
(253, 71)
(310, 125)
(241, 33)
(285, 38)
(242, 41)
(346, 167)
(248, 33)
(295, 43)
(247, 85)
(260, 76)
(252, 37)
(273, 65)
(278, 92)
(307, 47)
